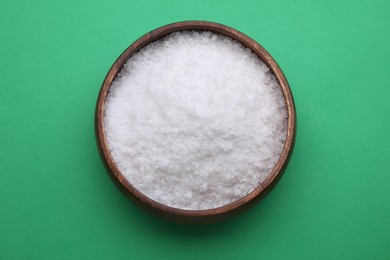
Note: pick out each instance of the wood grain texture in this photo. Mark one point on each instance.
(195, 216)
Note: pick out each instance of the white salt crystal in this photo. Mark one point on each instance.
(195, 120)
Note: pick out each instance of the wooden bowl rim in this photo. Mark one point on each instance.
(183, 215)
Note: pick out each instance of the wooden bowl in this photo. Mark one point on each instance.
(195, 216)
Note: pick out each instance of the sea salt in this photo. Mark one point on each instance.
(195, 120)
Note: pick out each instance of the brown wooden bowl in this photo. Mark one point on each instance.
(195, 216)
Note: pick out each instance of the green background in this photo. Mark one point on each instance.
(57, 202)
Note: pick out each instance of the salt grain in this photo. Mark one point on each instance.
(195, 120)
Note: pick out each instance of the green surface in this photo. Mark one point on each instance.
(57, 202)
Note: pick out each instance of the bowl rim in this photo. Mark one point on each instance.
(184, 215)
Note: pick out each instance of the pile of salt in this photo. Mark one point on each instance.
(195, 120)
